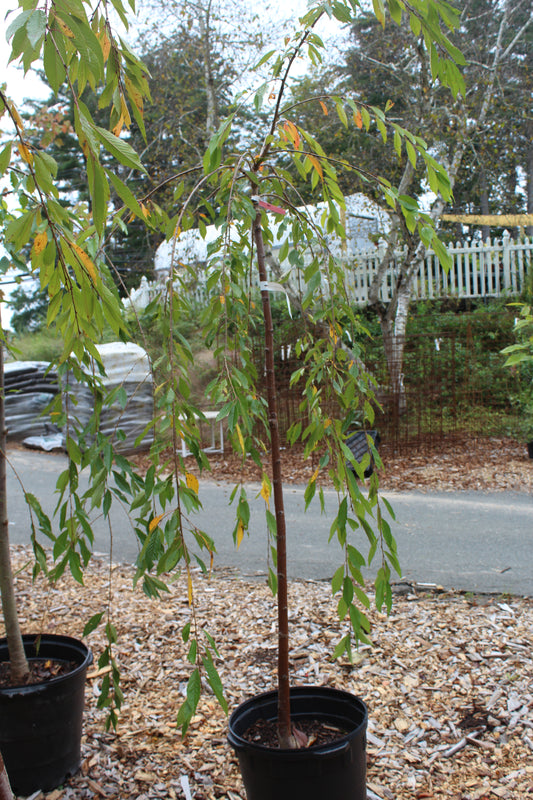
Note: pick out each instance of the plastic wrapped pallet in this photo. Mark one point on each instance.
(126, 366)
(30, 386)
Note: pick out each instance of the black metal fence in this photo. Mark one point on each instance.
(452, 385)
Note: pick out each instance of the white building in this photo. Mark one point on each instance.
(365, 220)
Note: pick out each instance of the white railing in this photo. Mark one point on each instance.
(494, 268)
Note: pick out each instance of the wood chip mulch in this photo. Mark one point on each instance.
(456, 463)
(448, 683)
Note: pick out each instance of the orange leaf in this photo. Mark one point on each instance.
(293, 134)
(358, 119)
(117, 130)
(324, 107)
(316, 164)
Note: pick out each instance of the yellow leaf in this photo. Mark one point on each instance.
(222, 299)
(146, 211)
(265, 491)
(189, 588)
(333, 334)
(192, 482)
(86, 262)
(16, 116)
(316, 164)
(106, 45)
(65, 28)
(124, 111)
(155, 522)
(358, 119)
(241, 440)
(25, 154)
(327, 423)
(117, 130)
(324, 107)
(39, 243)
(315, 475)
(240, 533)
(134, 94)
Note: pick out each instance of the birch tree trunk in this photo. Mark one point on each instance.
(204, 19)
(394, 315)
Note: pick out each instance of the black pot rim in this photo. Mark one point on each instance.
(80, 653)
(331, 749)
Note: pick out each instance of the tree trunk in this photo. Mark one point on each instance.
(484, 206)
(5, 787)
(17, 657)
(393, 318)
(285, 736)
(211, 121)
(529, 174)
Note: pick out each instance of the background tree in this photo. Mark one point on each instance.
(480, 133)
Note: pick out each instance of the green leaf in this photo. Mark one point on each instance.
(214, 680)
(118, 148)
(188, 708)
(36, 27)
(379, 11)
(54, 68)
(264, 59)
(5, 158)
(341, 113)
(93, 623)
(445, 259)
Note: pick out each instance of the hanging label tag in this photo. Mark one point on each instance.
(268, 206)
(270, 286)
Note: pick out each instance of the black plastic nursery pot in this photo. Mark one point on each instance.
(40, 724)
(336, 771)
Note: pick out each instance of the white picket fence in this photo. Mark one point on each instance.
(480, 269)
(494, 268)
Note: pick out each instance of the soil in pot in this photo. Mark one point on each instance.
(335, 770)
(41, 670)
(41, 723)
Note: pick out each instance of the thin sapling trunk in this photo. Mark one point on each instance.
(17, 656)
(286, 738)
